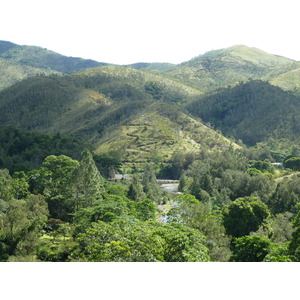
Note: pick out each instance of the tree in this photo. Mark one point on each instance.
(140, 242)
(194, 214)
(88, 182)
(286, 196)
(150, 186)
(135, 191)
(250, 249)
(20, 225)
(244, 215)
(293, 163)
(55, 182)
(294, 247)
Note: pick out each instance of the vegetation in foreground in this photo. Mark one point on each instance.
(230, 209)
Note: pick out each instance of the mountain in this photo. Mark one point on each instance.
(151, 111)
(19, 62)
(229, 66)
(82, 103)
(41, 58)
(156, 133)
(117, 109)
(252, 111)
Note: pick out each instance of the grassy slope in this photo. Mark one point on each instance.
(157, 132)
(229, 66)
(289, 81)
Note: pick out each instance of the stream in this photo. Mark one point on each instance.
(170, 187)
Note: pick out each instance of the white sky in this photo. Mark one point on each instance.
(128, 31)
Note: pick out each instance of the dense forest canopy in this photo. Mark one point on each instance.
(223, 126)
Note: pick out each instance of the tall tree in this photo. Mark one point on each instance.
(89, 184)
(135, 191)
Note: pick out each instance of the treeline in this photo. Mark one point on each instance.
(56, 204)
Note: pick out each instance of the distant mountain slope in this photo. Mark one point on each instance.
(114, 108)
(229, 66)
(158, 67)
(11, 73)
(41, 58)
(289, 81)
(156, 133)
(19, 62)
(47, 104)
(126, 83)
(252, 111)
(84, 102)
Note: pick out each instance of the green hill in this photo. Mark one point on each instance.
(229, 66)
(125, 83)
(156, 133)
(142, 113)
(252, 111)
(41, 58)
(19, 62)
(289, 81)
(113, 108)
(86, 102)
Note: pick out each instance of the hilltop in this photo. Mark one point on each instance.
(229, 66)
(125, 108)
(18, 62)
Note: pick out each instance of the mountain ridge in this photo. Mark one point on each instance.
(105, 104)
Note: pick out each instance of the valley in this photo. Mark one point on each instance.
(215, 125)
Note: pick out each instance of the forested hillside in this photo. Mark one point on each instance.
(19, 62)
(223, 126)
(252, 111)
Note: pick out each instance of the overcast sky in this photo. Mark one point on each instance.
(128, 31)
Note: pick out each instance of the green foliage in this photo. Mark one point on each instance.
(54, 181)
(250, 249)
(222, 176)
(263, 166)
(142, 241)
(24, 150)
(21, 222)
(294, 246)
(243, 216)
(293, 163)
(155, 89)
(150, 185)
(251, 111)
(135, 191)
(286, 196)
(190, 212)
(88, 182)
(278, 253)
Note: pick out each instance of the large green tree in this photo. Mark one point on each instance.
(244, 215)
(55, 182)
(250, 249)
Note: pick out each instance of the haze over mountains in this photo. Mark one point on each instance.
(152, 110)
